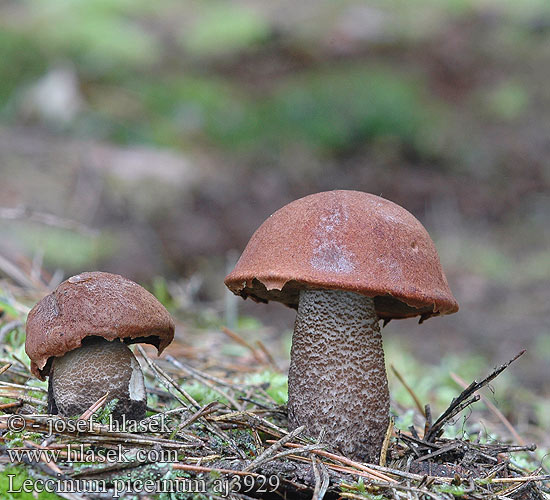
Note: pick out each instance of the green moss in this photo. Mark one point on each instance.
(223, 28)
(61, 247)
(507, 101)
(202, 394)
(332, 111)
(359, 488)
(329, 110)
(21, 61)
(457, 491)
(7, 307)
(277, 384)
(338, 110)
(186, 107)
(161, 292)
(100, 36)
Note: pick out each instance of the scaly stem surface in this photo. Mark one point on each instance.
(82, 376)
(337, 381)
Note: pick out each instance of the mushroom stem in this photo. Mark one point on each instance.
(337, 381)
(82, 376)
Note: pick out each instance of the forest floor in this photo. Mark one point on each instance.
(222, 406)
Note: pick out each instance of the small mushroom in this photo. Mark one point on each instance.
(344, 260)
(79, 334)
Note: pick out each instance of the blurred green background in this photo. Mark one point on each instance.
(152, 138)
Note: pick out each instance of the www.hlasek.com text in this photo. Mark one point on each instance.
(79, 453)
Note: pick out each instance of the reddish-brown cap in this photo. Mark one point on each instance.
(94, 303)
(345, 240)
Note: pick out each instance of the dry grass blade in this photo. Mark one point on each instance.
(401, 473)
(239, 340)
(386, 442)
(409, 390)
(23, 387)
(459, 402)
(206, 410)
(294, 452)
(342, 468)
(250, 417)
(274, 448)
(322, 479)
(193, 371)
(317, 474)
(22, 364)
(267, 354)
(20, 277)
(47, 219)
(523, 479)
(167, 381)
(495, 411)
(96, 406)
(203, 380)
(349, 462)
(22, 397)
(10, 326)
(8, 406)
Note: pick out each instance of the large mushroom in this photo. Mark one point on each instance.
(79, 334)
(344, 260)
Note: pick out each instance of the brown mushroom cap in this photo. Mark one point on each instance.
(345, 240)
(99, 304)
